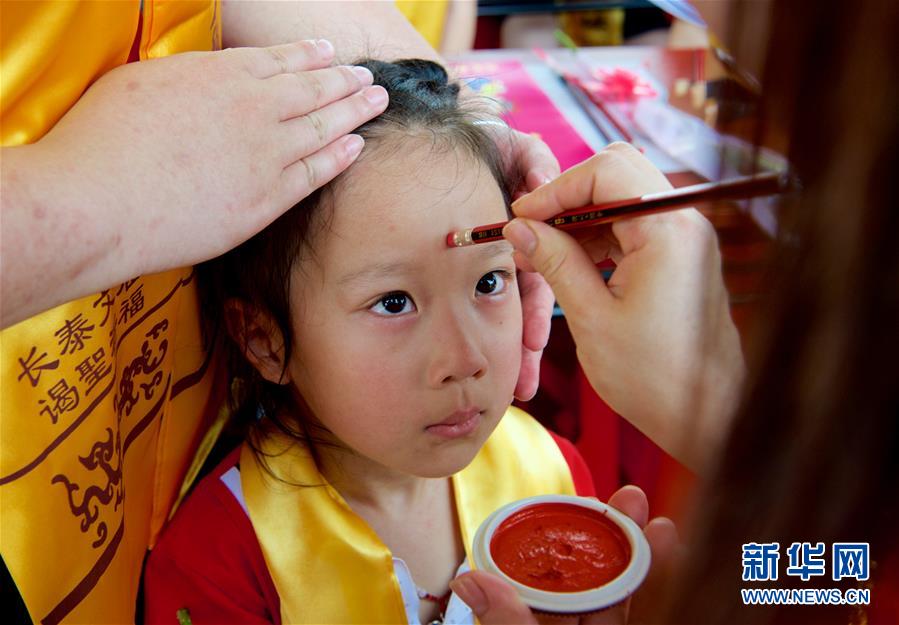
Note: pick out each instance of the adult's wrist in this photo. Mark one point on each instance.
(61, 238)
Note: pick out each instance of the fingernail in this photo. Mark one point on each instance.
(363, 74)
(376, 96)
(537, 179)
(352, 145)
(324, 46)
(520, 235)
(471, 594)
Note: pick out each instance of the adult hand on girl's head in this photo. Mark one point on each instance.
(495, 602)
(169, 162)
(222, 142)
(657, 343)
(531, 159)
(533, 163)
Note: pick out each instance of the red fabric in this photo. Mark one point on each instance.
(134, 55)
(209, 561)
(580, 472)
(599, 438)
(487, 32)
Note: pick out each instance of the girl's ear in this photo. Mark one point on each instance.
(260, 339)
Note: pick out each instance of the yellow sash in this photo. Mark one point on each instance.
(329, 566)
(104, 399)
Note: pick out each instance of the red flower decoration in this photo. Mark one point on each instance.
(619, 85)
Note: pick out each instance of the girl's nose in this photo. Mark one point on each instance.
(456, 352)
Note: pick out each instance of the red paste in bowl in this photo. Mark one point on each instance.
(560, 547)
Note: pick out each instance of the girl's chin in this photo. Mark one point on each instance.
(451, 456)
(440, 465)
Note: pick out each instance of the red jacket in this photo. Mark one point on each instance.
(209, 560)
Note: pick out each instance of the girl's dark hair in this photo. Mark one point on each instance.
(813, 454)
(423, 103)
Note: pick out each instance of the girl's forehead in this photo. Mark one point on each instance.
(419, 192)
(389, 220)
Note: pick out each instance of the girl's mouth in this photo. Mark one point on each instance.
(460, 423)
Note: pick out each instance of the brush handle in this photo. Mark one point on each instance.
(673, 199)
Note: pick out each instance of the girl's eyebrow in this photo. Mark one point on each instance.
(483, 252)
(492, 250)
(376, 270)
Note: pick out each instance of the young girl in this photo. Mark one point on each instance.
(376, 368)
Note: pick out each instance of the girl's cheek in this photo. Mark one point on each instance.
(505, 328)
(505, 312)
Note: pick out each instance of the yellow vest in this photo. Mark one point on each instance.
(104, 399)
(329, 566)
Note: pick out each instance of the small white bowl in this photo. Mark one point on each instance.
(569, 603)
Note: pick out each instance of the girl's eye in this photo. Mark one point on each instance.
(493, 282)
(393, 304)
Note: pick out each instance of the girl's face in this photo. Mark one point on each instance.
(406, 350)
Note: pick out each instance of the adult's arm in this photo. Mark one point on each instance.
(357, 29)
(657, 342)
(169, 162)
(460, 27)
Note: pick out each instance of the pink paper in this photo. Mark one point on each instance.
(528, 108)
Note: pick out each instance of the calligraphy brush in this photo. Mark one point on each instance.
(734, 189)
